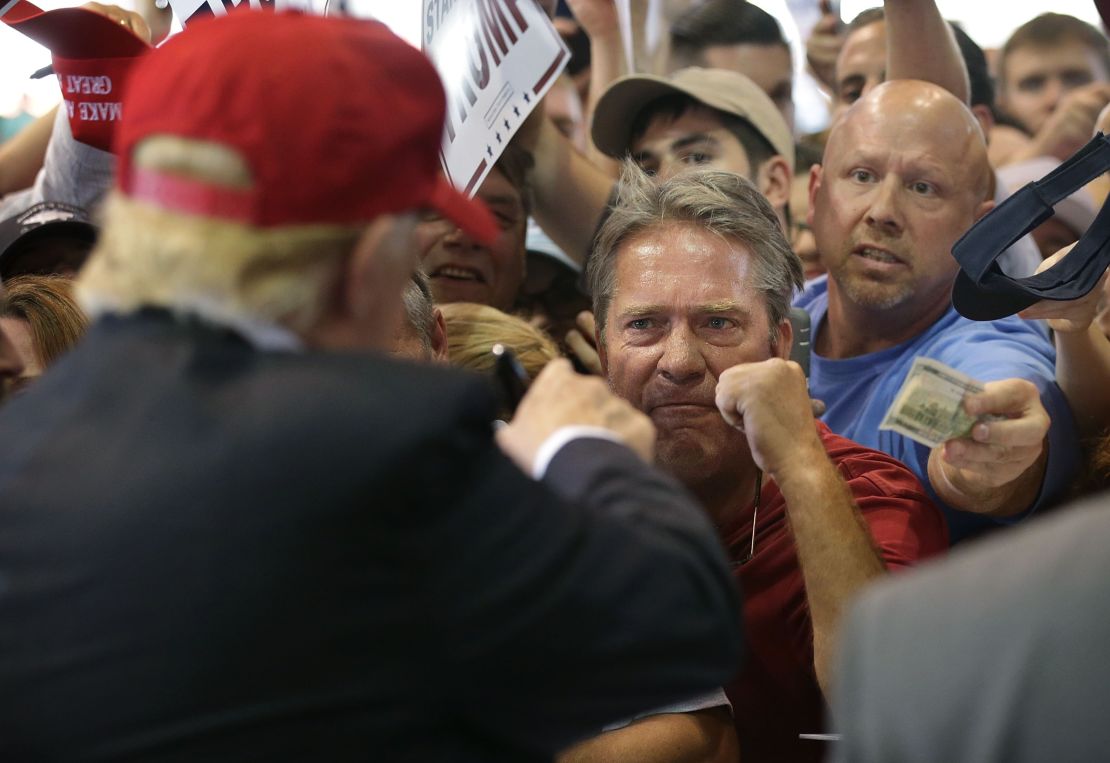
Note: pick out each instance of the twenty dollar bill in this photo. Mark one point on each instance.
(929, 406)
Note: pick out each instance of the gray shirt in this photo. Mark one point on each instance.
(72, 172)
(998, 654)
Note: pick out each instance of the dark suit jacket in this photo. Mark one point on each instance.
(213, 553)
(998, 655)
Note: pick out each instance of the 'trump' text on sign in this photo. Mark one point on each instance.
(497, 59)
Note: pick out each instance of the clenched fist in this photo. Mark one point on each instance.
(770, 403)
(558, 398)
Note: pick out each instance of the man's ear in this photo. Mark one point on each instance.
(773, 180)
(985, 207)
(786, 340)
(439, 337)
(985, 117)
(816, 177)
(366, 272)
(373, 285)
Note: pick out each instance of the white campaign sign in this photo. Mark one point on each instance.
(188, 10)
(497, 59)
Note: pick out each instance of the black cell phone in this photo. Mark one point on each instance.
(511, 378)
(799, 351)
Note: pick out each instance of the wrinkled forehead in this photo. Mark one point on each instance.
(924, 122)
(683, 258)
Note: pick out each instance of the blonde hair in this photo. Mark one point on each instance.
(225, 271)
(47, 305)
(473, 330)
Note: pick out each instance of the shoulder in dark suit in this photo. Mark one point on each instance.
(213, 553)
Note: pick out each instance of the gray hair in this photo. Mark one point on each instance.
(722, 203)
(420, 308)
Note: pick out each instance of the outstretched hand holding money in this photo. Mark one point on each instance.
(998, 467)
(929, 407)
(988, 439)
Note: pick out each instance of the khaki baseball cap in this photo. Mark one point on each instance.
(721, 89)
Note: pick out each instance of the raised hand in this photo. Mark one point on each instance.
(823, 45)
(1066, 316)
(769, 402)
(1070, 126)
(582, 342)
(558, 398)
(970, 472)
(128, 19)
(598, 18)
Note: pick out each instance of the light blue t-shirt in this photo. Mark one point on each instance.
(857, 391)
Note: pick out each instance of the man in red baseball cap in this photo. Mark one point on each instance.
(231, 529)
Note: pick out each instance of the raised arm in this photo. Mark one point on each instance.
(21, 156)
(1082, 353)
(921, 46)
(598, 18)
(570, 193)
(770, 403)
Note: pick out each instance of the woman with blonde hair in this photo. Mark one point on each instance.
(473, 330)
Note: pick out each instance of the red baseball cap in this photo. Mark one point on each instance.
(338, 119)
(92, 56)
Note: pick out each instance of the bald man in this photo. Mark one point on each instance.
(877, 42)
(905, 173)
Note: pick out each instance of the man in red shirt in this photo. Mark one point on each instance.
(691, 282)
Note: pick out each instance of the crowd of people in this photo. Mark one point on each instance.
(306, 455)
